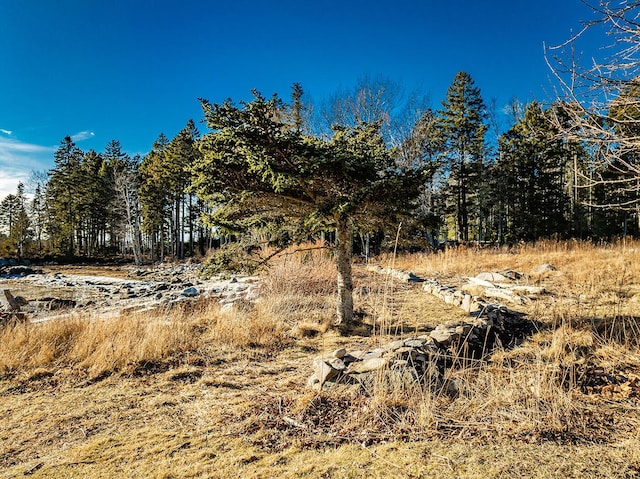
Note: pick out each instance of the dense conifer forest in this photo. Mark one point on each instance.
(456, 177)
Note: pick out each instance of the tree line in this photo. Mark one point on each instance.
(533, 182)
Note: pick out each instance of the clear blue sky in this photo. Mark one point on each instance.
(128, 70)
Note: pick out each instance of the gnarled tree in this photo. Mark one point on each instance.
(259, 170)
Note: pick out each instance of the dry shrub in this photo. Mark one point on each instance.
(536, 391)
(582, 261)
(123, 342)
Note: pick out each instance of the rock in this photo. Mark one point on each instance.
(190, 292)
(443, 337)
(366, 365)
(491, 277)
(374, 354)
(337, 364)
(543, 268)
(394, 345)
(513, 275)
(58, 303)
(339, 353)
(314, 382)
(467, 302)
(505, 294)
(324, 371)
(21, 300)
(21, 271)
(481, 282)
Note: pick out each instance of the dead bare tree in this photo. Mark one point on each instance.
(599, 100)
(126, 183)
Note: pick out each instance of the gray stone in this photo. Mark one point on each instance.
(543, 268)
(374, 354)
(467, 301)
(21, 300)
(324, 371)
(463, 330)
(443, 337)
(392, 346)
(339, 353)
(492, 277)
(190, 292)
(337, 364)
(314, 382)
(366, 365)
(414, 343)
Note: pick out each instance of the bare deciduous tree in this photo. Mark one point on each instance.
(600, 101)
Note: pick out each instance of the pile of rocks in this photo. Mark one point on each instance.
(502, 286)
(424, 358)
(455, 297)
(401, 274)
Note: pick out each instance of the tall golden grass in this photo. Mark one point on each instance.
(130, 340)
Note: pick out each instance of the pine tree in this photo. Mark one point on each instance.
(15, 222)
(258, 170)
(64, 195)
(38, 213)
(462, 122)
(531, 178)
(181, 154)
(154, 197)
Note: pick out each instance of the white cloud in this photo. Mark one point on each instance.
(6, 132)
(18, 159)
(83, 135)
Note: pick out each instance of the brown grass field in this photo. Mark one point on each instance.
(197, 392)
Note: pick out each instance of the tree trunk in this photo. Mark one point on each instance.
(344, 309)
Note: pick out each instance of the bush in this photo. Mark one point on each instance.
(232, 258)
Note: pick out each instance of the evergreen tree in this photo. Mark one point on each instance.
(64, 195)
(38, 213)
(257, 169)
(15, 222)
(531, 178)
(180, 156)
(462, 122)
(154, 198)
(421, 150)
(297, 107)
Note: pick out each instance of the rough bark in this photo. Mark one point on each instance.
(344, 308)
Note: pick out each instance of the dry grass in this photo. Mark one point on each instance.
(200, 392)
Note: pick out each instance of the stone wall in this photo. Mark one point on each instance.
(425, 358)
